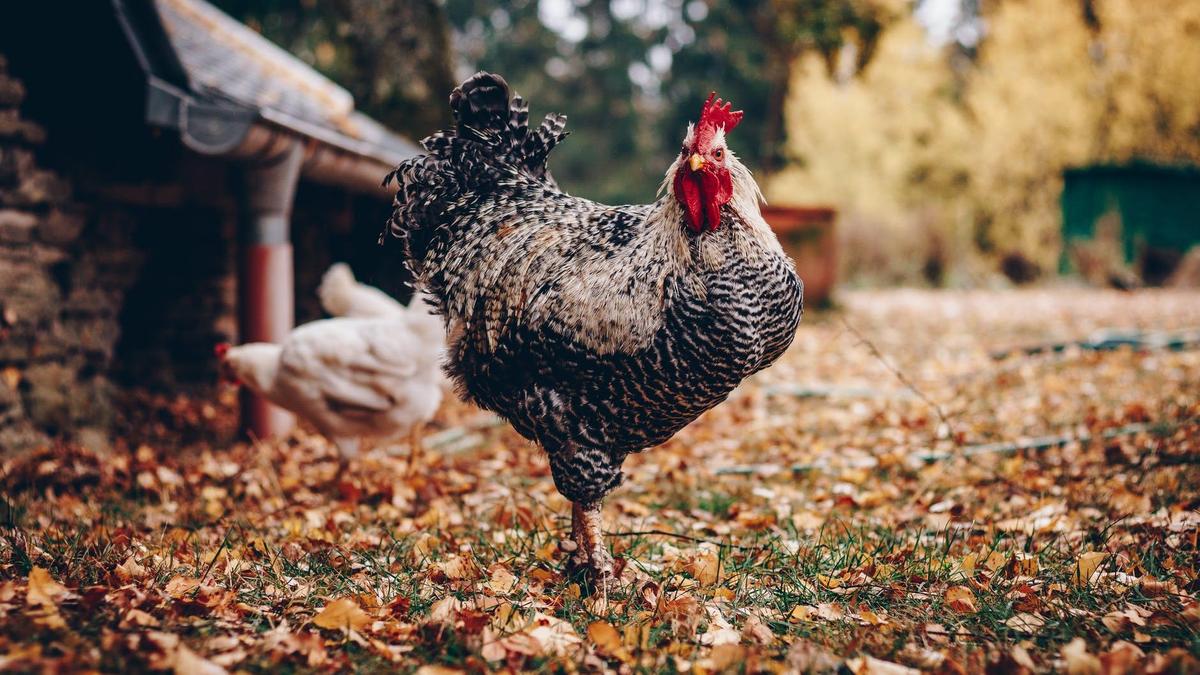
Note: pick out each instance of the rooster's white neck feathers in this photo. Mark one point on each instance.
(745, 201)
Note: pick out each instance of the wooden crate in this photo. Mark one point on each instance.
(807, 234)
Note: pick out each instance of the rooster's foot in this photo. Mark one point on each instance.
(590, 560)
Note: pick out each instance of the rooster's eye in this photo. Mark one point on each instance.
(718, 154)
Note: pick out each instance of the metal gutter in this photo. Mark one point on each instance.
(217, 126)
(229, 130)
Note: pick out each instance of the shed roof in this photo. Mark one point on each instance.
(201, 60)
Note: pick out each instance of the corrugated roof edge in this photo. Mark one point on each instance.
(215, 125)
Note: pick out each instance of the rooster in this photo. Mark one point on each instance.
(596, 331)
(373, 373)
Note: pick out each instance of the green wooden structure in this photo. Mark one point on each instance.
(1158, 206)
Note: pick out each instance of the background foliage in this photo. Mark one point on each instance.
(945, 160)
(942, 151)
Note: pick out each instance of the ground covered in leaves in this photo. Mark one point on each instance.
(893, 494)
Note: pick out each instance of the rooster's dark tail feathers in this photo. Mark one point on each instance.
(490, 142)
(486, 111)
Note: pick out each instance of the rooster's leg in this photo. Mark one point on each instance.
(591, 540)
(579, 554)
(416, 447)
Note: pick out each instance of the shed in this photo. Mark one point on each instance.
(1157, 208)
(151, 152)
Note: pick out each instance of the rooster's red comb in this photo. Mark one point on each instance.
(719, 114)
(221, 349)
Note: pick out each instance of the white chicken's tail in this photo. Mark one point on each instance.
(342, 295)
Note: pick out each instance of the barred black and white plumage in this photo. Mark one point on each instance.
(596, 330)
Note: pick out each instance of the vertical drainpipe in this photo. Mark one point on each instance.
(266, 309)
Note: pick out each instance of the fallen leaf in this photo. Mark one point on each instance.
(458, 567)
(188, 662)
(180, 586)
(445, 610)
(961, 599)
(1122, 657)
(705, 565)
(438, 670)
(805, 656)
(1025, 565)
(130, 570)
(502, 582)
(43, 589)
(554, 635)
(604, 636)
(1086, 566)
(802, 613)
(1025, 622)
(755, 630)
(138, 618)
(342, 614)
(1079, 661)
(869, 665)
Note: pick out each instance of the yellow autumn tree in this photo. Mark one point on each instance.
(861, 142)
(934, 166)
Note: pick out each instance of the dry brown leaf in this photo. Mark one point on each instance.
(458, 568)
(180, 586)
(1079, 661)
(961, 599)
(1086, 566)
(830, 611)
(11, 376)
(705, 565)
(43, 589)
(755, 630)
(805, 656)
(869, 665)
(554, 635)
(188, 662)
(1025, 565)
(1122, 657)
(438, 670)
(604, 636)
(802, 613)
(138, 618)
(502, 582)
(445, 610)
(342, 614)
(130, 570)
(1025, 622)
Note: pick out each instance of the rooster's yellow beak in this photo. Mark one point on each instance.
(696, 162)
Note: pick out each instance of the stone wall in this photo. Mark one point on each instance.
(117, 268)
(96, 291)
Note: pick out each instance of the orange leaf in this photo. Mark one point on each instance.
(961, 599)
(343, 613)
(604, 636)
(43, 589)
(1087, 565)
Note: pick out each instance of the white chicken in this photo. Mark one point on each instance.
(342, 295)
(371, 374)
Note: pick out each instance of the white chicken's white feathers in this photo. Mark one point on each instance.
(342, 295)
(374, 377)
